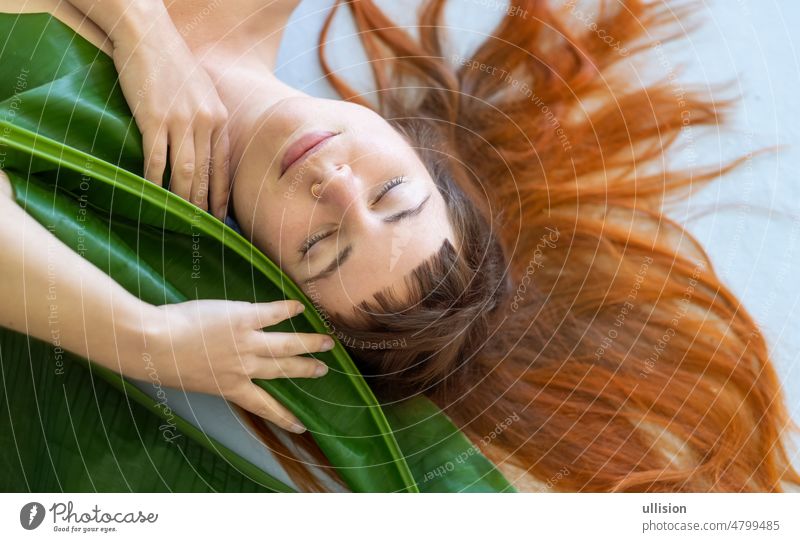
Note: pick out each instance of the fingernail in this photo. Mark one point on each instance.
(299, 308)
(298, 428)
(327, 344)
(321, 370)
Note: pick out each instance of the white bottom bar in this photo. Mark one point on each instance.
(352, 518)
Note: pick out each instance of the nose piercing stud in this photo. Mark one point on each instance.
(316, 190)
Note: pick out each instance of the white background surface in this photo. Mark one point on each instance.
(753, 233)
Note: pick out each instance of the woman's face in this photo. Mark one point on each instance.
(378, 214)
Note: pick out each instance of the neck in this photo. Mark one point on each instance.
(247, 89)
(238, 48)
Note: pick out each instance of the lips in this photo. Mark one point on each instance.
(303, 147)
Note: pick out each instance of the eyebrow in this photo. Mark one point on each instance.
(334, 265)
(348, 250)
(397, 217)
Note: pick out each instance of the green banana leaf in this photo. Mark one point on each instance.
(72, 430)
(69, 137)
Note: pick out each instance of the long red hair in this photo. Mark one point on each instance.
(575, 307)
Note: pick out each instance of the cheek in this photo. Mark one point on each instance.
(279, 231)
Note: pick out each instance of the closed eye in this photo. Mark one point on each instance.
(397, 181)
(317, 237)
(313, 240)
(397, 217)
(348, 250)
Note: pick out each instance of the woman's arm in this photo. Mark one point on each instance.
(120, 17)
(173, 100)
(52, 293)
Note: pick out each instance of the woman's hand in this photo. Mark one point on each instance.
(176, 106)
(217, 347)
(173, 100)
(208, 346)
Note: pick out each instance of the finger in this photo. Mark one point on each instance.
(181, 144)
(154, 144)
(271, 313)
(200, 181)
(220, 173)
(260, 403)
(290, 367)
(283, 345)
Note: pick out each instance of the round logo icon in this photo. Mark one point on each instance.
(31, 515)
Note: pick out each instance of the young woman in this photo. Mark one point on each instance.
(486, 231)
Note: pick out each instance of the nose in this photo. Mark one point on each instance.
(338, 187)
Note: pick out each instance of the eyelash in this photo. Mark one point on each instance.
(313, 240)
(388, 186)
(317, 237)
